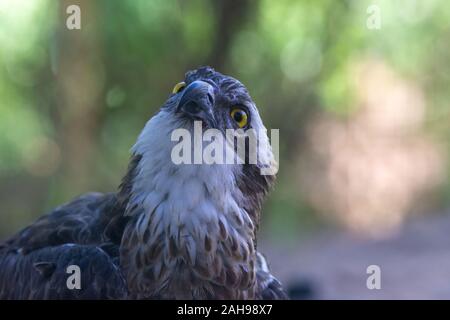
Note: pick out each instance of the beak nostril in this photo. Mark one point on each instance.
(210, 99)
(192, 107)
(197, 102)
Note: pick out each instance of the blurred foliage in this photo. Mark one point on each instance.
(73, 102)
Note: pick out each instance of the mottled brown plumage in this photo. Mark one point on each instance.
(170, 232)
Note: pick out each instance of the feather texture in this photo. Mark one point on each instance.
(171, 231)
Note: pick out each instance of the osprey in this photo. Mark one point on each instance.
(172, 231)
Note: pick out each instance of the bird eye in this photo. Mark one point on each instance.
(239, 116)
(179, 87)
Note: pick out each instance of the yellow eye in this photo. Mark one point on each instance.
(239, 116)
(179, 87)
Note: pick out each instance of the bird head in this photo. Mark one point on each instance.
(220, 102)
(217, 102)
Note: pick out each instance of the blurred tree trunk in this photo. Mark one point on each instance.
(231, 16)
(80, 80)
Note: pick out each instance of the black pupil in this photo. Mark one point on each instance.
(238, 116)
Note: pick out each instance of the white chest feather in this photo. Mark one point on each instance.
(188, 220)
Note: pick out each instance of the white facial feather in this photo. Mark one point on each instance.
(193, 196)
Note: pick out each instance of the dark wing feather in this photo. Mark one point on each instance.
(42, 274)
(268, 287)
(85, 232)
(82, 221)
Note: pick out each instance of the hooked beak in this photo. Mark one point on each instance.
(197, 102)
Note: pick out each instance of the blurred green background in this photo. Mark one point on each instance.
(363, 113)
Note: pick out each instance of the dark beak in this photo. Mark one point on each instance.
(197, 102)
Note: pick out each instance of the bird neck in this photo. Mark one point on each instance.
(188, 229)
